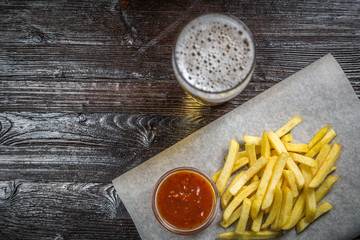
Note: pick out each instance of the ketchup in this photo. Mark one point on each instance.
(185, 199)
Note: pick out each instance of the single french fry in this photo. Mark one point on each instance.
(251, 153)
(265, 234)
(277, 172)
(233, 217)
(291, 165)
(325, 187)
(297, 212)
(260, 193)
(275, 209)
(326, 139)
(296, 147)
(321, 210)
(275, 224)
(225, 198)
(249, 173)
(318, 136)
(326, 166)
(228, 166)
(288, 126)
(324, 151)
(256, 224)
(290, 178)
(286, 206)
(276, 143)
(265, 146)
(244, 216)
(239, 163)
(303, 159)
(287, 138)
(310, 200)
(252, 140)
(238, 199)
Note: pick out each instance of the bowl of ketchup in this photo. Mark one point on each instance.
(185, 201)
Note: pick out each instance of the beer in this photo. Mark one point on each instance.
(214, 58)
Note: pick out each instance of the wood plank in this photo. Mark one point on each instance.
(86, 147)
(107, 60)
(62, 210)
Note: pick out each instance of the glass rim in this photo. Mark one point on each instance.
(241, 84)
(169, 226)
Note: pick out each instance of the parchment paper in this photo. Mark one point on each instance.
(321, 95)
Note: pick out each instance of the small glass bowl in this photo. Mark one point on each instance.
(173, 228)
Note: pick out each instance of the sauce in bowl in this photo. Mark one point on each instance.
(184, 201)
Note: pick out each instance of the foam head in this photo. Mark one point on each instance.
(215, 53)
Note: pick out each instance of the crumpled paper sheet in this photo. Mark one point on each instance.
(321, 95)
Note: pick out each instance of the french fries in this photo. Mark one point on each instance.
(244, 216)
(321, 210)
(278, 168)
(266, 234)
(282, 186)
(288, 126)
(238, 199)
(259, 196)
(229, 164)
(249, 173)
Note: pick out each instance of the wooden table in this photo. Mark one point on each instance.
(87, 93)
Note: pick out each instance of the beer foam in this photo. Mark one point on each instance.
(214, 53)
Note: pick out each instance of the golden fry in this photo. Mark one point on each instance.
(244, 216)
(321, 210)
(296, 213)
(275, 208)
(318, 136)
(225, 198)
(287, 138)
(326, 139)
(276, 143)
(310, 202)
(238, 199)
(265, 234)
(234, 216)
(257, 222)
(291, 165)
(288, 126)
(249, 173)
(326, 166)
(228, 166)
(324, 151)
(290, 178)
(296, 147)
(260, 193)
(277, 172)
(303, 159)
(325, 187)
(252, 140)
(251, 153)
(265, 145)
(286, 206)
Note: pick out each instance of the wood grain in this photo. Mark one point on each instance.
(107, 60)
(87, 93)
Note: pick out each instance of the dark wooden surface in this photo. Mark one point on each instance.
(87, 93)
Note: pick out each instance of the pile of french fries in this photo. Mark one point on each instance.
(281, 187)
